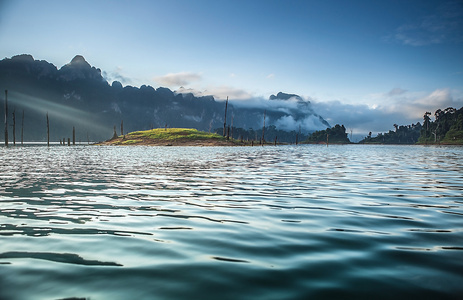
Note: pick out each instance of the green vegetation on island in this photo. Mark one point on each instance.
(170, 137)
(447, 129)
(402, 135)
(333, 135)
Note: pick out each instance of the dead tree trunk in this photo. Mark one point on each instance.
(231, 133)
(22, 129)
(14, 127)
(48, 132)
(69, 141)
(122, 127)
(6, 118)
(263, 129)
(73, 136)
(115, 133)
(225, 119)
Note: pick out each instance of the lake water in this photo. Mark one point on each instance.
(287, 222)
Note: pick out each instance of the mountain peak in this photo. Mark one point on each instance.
(79, 68)
(23, 57)
(79, 60)
(284, 96)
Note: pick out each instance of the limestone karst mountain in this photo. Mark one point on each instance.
(77, 95)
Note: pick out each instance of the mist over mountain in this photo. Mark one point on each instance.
(78, 95)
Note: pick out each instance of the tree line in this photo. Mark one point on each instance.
(447, 128)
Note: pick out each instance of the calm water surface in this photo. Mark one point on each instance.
(306, 222)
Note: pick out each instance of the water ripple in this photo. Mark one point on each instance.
(231, 223)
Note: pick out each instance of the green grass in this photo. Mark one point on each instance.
(129, 142)
(171, 134)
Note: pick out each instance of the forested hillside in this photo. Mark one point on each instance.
(447, 128)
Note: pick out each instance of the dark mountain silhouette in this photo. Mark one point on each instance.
(77, 95)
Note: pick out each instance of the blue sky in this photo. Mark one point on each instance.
(365, 64)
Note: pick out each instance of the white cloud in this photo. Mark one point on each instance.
(222, 92)
(270, 76)
(438, 98)
(183, 90)
(262, 103)
(178, 79)
(218, 92)
(397, 106)
(288, 123)
(116, 75)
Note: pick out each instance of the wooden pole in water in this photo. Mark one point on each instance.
(48, 132)
(225, 119)
(22, 129)
(122, 127)
(73, 135)
(327, 139)
(69, 141)
(297, 138)
(6, 118)
(263, 129)
(14, 127)
(231, 134)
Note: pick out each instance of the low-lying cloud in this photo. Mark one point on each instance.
(395, 107)
(219, 92)
(116, 75)
(293, 113)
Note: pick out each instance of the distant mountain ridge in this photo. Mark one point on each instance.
(77, 95)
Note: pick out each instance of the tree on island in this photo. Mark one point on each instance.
(408, 134)
(333, 135)
(447, 128)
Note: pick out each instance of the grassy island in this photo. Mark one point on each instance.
(171, 137)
